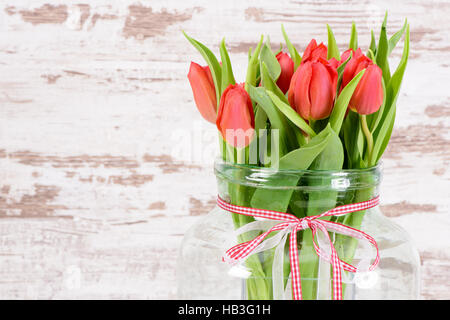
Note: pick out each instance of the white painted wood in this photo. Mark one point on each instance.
(96, 186)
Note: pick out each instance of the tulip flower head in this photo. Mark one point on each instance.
(368, 95)
(204, 91)
(334, 63)
(314, 52)
(287, 70)
(236, 120)
(313, 89)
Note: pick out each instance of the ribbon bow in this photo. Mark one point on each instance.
(291, 224)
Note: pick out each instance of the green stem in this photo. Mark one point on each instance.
(240, 154)
(240, 195)
(369, 137)
(347, 246)
(355, 220)
(312, 123)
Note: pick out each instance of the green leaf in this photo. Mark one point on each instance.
(268, 41)
(341, 105)
(276, 118)
(353, 38)
(268, 83)
(332, 157)
(302, 158)
(383, 51)
(253, 65)
(340, 71)
(393, 87)
(396, 37)
(383, 137)
(211, 60)
(383, 133)
(386, 139)
(260, 96)
(268, 57)
(227, 71)
(371, 55)
(351, 132)
(301, 139)
(373, 45)
(292, 51)
(333, 50)
(291, 114)
(260, 118)
(299, 159)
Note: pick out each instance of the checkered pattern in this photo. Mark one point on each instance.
(243, 250)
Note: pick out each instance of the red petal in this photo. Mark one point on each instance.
(204, 92)
(322, 92)
(236, 116)
(308, 51)
(302, 99)
(314, 52)
(287, 70)
(368, 95)
(208, 73)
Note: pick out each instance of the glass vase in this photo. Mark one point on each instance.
(202, 273)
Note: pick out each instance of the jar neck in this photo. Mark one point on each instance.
(295, 190)
(308, 180)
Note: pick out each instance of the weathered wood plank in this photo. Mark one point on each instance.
(105, 163)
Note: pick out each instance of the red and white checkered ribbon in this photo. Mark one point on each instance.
(288, 221)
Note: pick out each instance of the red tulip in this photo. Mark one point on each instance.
(204, 91)
(236, 120)
(313, 89)
(314, 52)
(368, 95)
(334, 63)
(358, 58)
(287, 70)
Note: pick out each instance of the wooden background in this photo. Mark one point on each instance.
(99, 132)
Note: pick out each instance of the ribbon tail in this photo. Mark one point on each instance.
(337, 274)
(334, 260)
(288, 289)
(357, 234)
(295, 268)
(278, 270)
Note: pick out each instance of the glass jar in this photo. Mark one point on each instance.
(202, 273)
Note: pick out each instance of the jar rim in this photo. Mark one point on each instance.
(274, 178)
(374, 169)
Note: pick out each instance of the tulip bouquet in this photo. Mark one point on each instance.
(329, 110)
